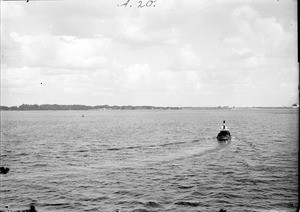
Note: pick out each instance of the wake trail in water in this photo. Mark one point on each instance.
(194, 148)
(157, 154)
(151, 146)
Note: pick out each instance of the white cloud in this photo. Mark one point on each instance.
(136, 76)
(185, 59)
(190, 52)
(60, 51)
(257, 34)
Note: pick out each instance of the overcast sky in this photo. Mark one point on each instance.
(173, 53)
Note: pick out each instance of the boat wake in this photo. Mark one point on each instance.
(186, 150)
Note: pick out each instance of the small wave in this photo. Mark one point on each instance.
(140, 210)
(82, 150)
(132, 202)
(124, 148)
(153, 145)
(96, 199)
(249, 143)
(227, 195)
(40, 165)
(22, 154)
(57, 204)
(185, 187)
(122, 192)
(134, 147)
(152, 204)
(170, 144)
(223, 201)
(126, 192)
(114, 149)
(191, 204)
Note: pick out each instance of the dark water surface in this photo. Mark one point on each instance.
(150, 160)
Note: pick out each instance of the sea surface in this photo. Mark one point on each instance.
(145, 161)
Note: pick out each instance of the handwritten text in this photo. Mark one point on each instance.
(139, 4)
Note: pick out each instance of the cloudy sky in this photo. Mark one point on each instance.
(172, 53)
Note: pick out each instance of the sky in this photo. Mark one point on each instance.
(172, 53)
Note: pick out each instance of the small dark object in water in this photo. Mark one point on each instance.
(32, 208)
(3, 170)
(222, 210)
(7, 208)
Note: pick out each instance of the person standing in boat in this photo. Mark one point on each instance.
(224, 126)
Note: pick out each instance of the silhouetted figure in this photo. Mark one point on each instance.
(3, 170)
(32, 208)
(224, 126)
(222, 210)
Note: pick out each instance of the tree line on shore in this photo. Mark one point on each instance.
(84, 107)
(25, 107)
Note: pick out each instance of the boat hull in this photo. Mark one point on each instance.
(224, 136)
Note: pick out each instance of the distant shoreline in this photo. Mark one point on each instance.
(43, 107)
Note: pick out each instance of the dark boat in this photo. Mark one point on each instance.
(224, 134)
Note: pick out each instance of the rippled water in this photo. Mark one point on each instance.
(150, 160)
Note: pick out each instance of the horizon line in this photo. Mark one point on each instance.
(128, 105)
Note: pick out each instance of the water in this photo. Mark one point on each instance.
(150, 160)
